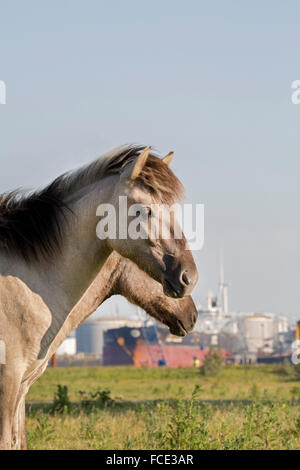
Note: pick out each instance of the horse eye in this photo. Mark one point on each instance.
(146, 211)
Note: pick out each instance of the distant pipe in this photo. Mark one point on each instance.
(298, 330)
(53, 360)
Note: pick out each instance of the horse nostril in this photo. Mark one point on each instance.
(185, 279)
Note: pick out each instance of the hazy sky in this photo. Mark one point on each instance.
(210, 80)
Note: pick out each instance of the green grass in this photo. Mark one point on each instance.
(253, 407)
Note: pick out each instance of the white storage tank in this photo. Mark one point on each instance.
(259, 333)
(68, 346)
(89, 338)
(89, 335)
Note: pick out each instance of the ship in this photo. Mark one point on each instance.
(151, 346)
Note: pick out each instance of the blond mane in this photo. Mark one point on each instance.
(31, 224)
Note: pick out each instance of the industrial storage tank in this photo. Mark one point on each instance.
(259, 333)
(89, 338)
(89, 335)
(68, 346)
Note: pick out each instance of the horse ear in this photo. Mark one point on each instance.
(139, 164)
(167, 159)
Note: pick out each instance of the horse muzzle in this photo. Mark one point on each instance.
(184, 317)
(178, 286)
(179, 277)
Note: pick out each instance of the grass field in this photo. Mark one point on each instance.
(243, 407)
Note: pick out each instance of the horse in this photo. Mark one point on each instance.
(119, 276)
(50, 255)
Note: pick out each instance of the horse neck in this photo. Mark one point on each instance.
(137, 286)
(104, 286)
(83, 254)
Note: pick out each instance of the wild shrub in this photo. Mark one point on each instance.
(61, 401)
(212, 364)
(188, 427)
(99, 398)
(286, 368)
